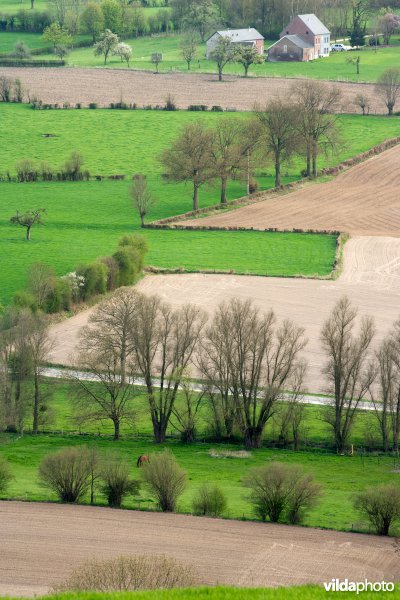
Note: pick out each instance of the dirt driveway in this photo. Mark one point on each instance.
(110, 85)
(41, 543)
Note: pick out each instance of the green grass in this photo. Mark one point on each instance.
(8, 39)
(340, 476)
(334, 67)
(310, 592)
(13, 6)
(85, 220)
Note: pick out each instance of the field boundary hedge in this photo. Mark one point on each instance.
(15, 62)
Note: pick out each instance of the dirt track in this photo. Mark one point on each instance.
(110, 85)
(371, 278)
(361, 201)
(41, 543)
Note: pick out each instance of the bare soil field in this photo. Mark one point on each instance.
(371, 278)
(42, 543)
(364, 200)
(109, 85)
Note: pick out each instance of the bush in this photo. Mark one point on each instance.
(165, 478)
(25, 300)
(95, 279)
(279, 490)
(130, 573)
(209, 500)
(93, 105)
(66, 473)
(116, 483)
(197, 107)
(5, 475)
(60, 296)
(26, 171)
(381, 506)
(130, 258)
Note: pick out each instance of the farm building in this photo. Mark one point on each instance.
(304, 39)
(244, 37)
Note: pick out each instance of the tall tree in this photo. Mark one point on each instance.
(247, 56)
(164, 342)
(317, 124)
(142, 197)
(201, 17)
(92, 20)
(279, 133)
(222, 54)
(348, 369)
(189, 47)
(188, 158)
(106, 44)
(388, 88)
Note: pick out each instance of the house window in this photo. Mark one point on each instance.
(285, 48)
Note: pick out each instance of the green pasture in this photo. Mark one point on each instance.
(334, 67)
(85, 220)
(8, 39)
(340, 476)
(310, 592)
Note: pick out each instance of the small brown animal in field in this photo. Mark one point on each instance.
(143, 458)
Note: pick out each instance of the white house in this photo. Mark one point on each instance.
(244, 37)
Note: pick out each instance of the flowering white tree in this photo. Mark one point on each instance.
(106, 44)
(124, 51)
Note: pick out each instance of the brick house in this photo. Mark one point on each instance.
(244, 37)
(304, 39)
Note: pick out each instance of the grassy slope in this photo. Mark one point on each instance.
(311, 592)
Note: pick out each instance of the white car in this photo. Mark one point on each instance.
(338, 48)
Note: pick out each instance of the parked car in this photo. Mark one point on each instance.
(338, 48)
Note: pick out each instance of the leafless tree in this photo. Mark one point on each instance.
(188, 158)
(28, 219)
(262, 361)
(164, 341)
(362, 101)
(41, 279)
(279, 133)
(229, 151)
(291, 414)
(317, 124)
(6, 86)
(381, 506)
(142, 197)
(348, 370)
(185, 413)
(105, 350)
(388, 87)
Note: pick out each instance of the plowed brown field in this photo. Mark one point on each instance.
(363, 200)
(371, 278)
(109, 85)
(42, 543)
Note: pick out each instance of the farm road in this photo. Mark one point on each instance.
(41, 544)
(59, 85)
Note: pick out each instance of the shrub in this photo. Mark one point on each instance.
(381, 506)
(112, 272)
(279, 490)
(93, 105)
(60, 296)
(209, 500)
(170, 104)
(165, 478)
(25, 300)
(66, 473)
(95, 278)
(5, 475)
(26, 171)
(217, 108)
(116, 483)
(130, 573)
(130, 258)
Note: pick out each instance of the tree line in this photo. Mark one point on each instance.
(249, 364)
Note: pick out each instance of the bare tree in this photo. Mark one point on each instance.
(189, 46)
(279, 133)
(28, 219)
(388, 88)
(229, 151)
(185, 413)
(317, 124)
(362, 101)
(262, 361)
(348, 370)
(164, 341)
(291, 414)
(381, 506)
(105, 350)
(41, 280)
(142, 197)
(188, 158)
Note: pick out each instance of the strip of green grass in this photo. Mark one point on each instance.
(340, 476)
(310, 592)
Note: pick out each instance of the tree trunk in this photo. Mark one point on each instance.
(35, 426)
(142, 220)
(32, 4)
(195, 196)
(116, 429)
(159, 430)
(390, 109)
(219, 74)
(277, 173)
(246, 71)
(314, 166)
(223, 190)
(252, 438)
(308, 163)
(28, 233)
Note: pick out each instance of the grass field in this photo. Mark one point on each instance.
(88, 218)
(335, 67)
(340, 476)
(311, 592)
